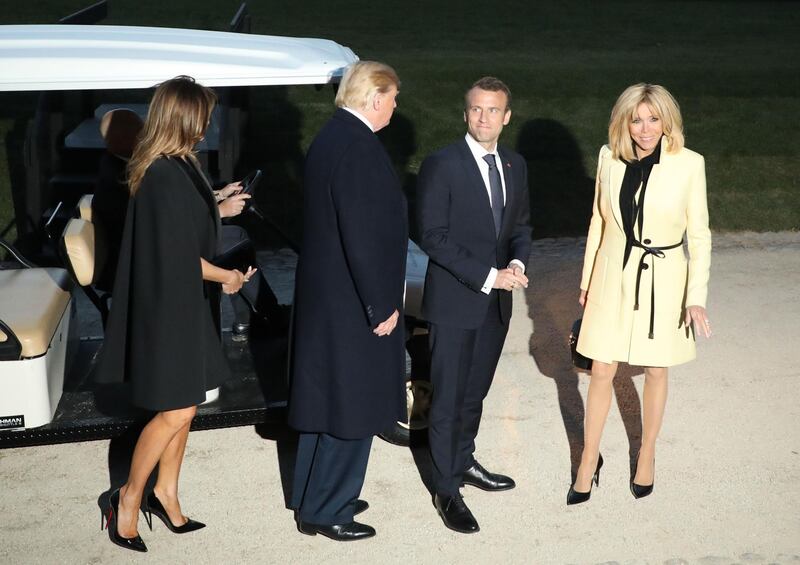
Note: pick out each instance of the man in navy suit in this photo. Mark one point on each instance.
(348, 361)
(474, 219)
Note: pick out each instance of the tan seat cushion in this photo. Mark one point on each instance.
(79, 245)
(32, 302)
(85, 207)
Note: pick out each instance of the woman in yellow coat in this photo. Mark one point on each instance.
(643, 299)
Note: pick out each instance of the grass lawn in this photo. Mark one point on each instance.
(733, 66)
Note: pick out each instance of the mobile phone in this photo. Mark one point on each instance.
(250, 182)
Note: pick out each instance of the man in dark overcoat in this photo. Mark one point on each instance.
(473, 216)
(348, 360)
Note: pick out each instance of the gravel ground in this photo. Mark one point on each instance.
(727, 472)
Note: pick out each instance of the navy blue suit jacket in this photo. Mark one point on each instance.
(458, 233)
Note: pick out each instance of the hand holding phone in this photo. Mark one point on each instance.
(250, 182)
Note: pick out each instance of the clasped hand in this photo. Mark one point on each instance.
(510, 278)
(236, 279)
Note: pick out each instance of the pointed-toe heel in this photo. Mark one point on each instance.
(576, 497)
(135, 543)
(640, 491)
(152, 507)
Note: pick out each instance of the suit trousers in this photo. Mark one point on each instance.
(236, 251)
(328, 476)
(463, 363)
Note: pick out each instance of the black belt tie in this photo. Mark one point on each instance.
(653, 252)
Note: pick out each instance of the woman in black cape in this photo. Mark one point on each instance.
(161, 335)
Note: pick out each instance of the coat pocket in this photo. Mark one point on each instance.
(597, 283)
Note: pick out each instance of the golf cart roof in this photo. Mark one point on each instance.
(90, 57)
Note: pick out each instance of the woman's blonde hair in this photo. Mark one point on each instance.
(362, 82)
(176, 121)
(663, 106)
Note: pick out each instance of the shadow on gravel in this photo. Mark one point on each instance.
(553, 307)
(277, 429)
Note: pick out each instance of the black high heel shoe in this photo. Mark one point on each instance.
(152, 505)
(640, 491)
(575, 497)
(135, 543)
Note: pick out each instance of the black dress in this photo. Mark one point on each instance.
(161, 335)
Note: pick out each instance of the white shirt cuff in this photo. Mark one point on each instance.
(487, 286)
(518, 262)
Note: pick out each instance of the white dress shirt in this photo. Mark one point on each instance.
(360, 117)
(479, 152)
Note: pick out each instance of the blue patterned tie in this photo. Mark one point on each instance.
(496, 188)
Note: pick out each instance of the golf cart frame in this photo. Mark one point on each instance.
(72, 65)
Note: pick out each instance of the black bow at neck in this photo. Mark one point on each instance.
(637, 173)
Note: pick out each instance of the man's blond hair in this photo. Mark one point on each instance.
(362, 82)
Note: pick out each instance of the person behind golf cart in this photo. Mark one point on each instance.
(120, 129)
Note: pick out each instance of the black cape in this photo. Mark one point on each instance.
(161, 335)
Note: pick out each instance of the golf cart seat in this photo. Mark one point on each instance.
(35, 316)
(85, 207)
(83, 254)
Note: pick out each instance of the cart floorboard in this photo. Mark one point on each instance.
(90, 412)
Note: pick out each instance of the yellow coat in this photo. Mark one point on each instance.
(675, 204)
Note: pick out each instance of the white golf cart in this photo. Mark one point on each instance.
(80, 72)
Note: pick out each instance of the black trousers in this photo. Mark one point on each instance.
(462, 368)
(328, 476)
(236, 251)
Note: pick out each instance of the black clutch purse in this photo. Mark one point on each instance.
(578, 360)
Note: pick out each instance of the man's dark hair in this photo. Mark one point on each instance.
(492, 84)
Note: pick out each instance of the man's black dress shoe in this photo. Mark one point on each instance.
(455, 514)
(479, 477)
(361, 506)
(337, 532)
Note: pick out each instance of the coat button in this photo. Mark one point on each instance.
(647, 242)
(645, 266)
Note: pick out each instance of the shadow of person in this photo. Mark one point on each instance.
(418, 349)
(278, 430)
(560, 190)
(561, 205)
(553, 306)
(400, 140)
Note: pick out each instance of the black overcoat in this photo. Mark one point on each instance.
(161, 334)
(346, 381)
(458, 233)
